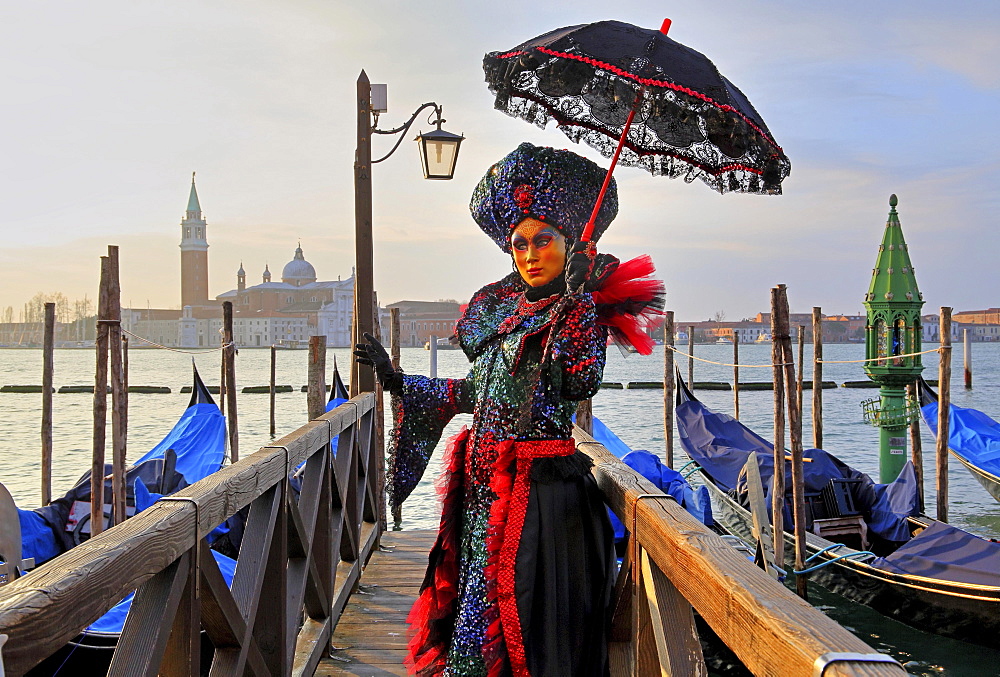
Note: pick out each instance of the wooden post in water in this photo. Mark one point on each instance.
(433, 345)
(691, 358)
(316, 396)
(118, 441)
(48, 346)
(778, 483)
(795, 435)
(736, 376)
(272, 389)
(125, 385)
(801, 363)
(100, 401)
(967, 358)
(230, 379)
(916, 447)
(394, 352)
(394, 338)
(668, 387)
(817, 393)
(944, 407)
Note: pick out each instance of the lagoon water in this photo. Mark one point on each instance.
(635, 415)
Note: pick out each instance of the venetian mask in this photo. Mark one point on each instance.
(539, 251)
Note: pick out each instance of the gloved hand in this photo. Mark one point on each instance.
(373, 354)
(579, 264)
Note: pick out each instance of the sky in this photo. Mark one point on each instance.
(110, 105)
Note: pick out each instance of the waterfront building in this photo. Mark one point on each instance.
(419, 320)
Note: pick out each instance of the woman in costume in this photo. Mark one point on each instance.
(521, 573)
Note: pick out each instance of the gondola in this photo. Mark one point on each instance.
(193, 449)
(889, 556)
(973, 438)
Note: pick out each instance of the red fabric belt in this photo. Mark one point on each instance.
(543, 448)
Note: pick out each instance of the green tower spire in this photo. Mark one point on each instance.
(893, 303)
(193, 205)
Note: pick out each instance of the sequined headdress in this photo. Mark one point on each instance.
(554, 186)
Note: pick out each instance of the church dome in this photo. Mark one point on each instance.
(298, 271)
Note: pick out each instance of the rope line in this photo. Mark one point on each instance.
(786, 364)
(727, 364)
(178, 350)
(880, 359)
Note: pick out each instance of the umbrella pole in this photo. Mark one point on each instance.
(589, 228)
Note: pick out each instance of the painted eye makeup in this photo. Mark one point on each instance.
(519, 243)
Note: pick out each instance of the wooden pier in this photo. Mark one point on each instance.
(317, 574)
(370, 640)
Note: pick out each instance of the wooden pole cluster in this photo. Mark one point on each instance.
(48, 346)
(668, 387)
(944, 407)
(273, 388)
(229, 379)
(316, 390)
(817, 382)
(736, 376)
(109, 341)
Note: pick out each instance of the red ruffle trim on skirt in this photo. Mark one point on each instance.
(428, 649)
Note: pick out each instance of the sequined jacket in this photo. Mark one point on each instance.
(531, 363)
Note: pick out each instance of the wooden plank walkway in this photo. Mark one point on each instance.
(371, 635)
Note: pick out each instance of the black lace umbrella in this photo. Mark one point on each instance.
(594, 79)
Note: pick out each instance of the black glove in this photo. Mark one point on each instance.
(373, 354)
(579, 264)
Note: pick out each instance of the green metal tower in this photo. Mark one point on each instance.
(893, 303)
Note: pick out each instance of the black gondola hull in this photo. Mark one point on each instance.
(966, 612)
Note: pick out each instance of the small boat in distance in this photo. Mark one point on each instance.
(444, 343)
(763, 338)
(973, 438)
(725, 340)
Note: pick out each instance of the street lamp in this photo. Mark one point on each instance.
(438, 154)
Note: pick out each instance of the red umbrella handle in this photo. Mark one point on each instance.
(588, 230)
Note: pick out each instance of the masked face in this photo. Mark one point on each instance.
(539, 252)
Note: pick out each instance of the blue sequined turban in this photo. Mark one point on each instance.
(554, 186)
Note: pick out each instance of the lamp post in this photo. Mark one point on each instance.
(438, 154)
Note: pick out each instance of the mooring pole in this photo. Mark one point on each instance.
(736, 375)
(117, 393)
(230, 379)
(795, 436)
(691, 358)
(317, 377)
(802, 364)
(100, 401)
(395, 340)
(944, 408)
(273, 387)
(967, 358)
(668, 387)
(817, 394)
(433, 345)
(778, 329)
(916, 448)
(48, 345)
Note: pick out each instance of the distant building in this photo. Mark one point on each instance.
(419, 320)
(285, 313)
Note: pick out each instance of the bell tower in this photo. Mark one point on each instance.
(194, 253)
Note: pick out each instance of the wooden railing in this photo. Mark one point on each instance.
(299, 561)
(675, 564)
